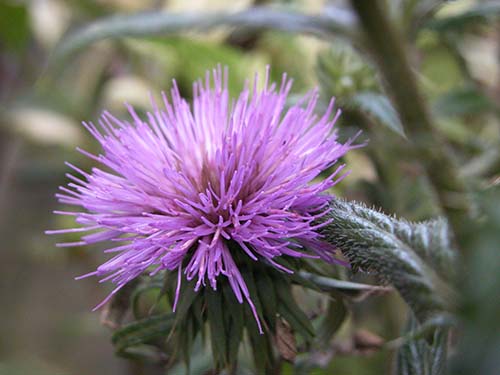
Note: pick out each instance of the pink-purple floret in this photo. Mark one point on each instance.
(187, 180)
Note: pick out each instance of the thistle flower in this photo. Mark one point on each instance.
(185, 187)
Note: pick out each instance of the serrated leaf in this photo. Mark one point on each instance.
(416, 258)
(380, 108)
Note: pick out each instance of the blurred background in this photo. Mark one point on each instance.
(46, 323)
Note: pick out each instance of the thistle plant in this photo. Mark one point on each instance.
(206, 191)
(218, 203)
(218, 212)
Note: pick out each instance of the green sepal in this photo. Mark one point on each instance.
(262, 350)
(267, 296)
(218, 334)
(288, 309)
(234, 318)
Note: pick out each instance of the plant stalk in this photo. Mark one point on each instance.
(426, 144)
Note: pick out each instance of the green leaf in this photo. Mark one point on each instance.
(418, 357)
(164, 23)
(416, 258)
(380, 108)
(480, 13)
(142, 331)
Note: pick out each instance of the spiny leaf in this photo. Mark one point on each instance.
(417, 259)
(380, 108)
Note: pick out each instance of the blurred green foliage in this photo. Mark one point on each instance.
(14, 27)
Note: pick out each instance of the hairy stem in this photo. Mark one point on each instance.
(416, 258)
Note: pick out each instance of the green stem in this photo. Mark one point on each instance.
(416, 258)
(426, 144)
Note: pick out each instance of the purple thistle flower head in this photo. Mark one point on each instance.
(186, 186)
